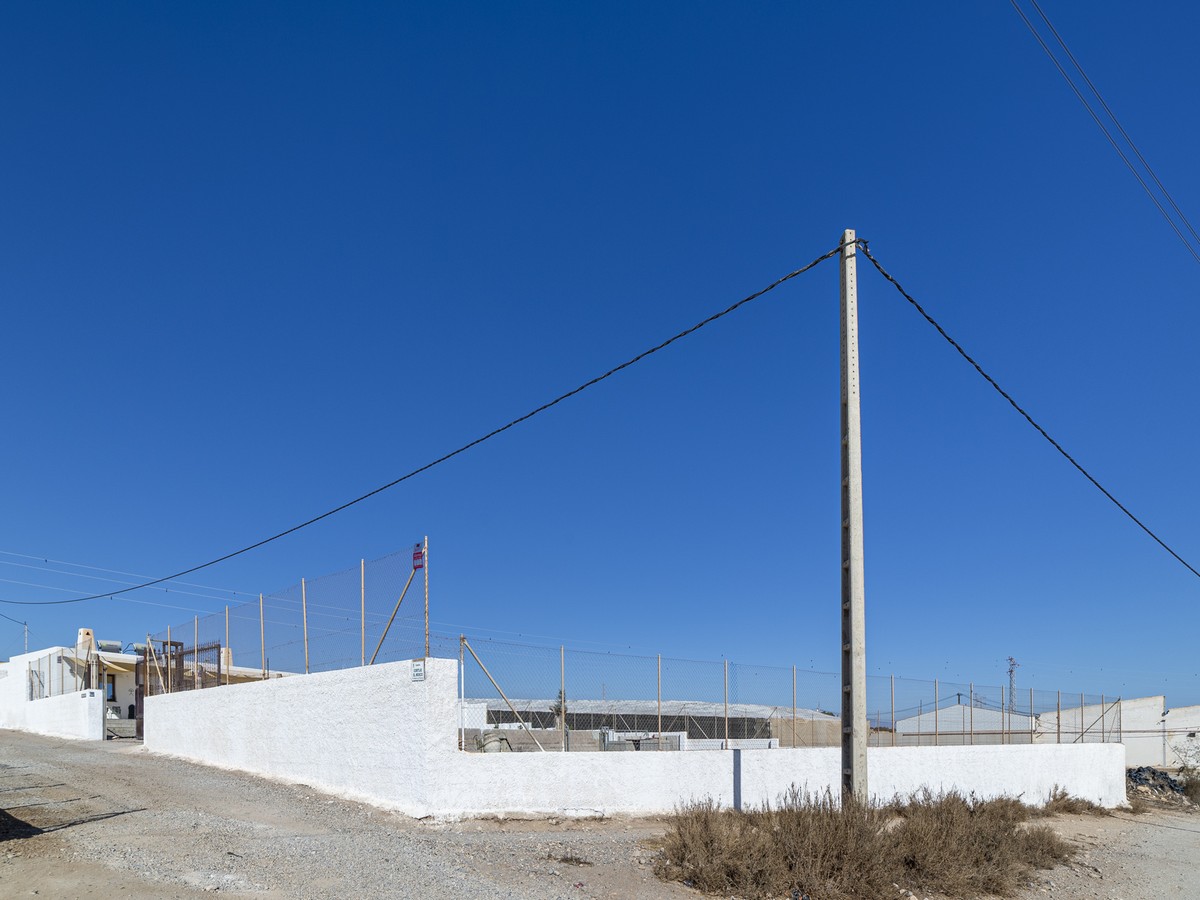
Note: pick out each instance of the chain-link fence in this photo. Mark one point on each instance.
(524, 697)
(56, 673)
(374, 611)
(528, 697)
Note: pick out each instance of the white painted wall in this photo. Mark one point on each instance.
(1178, 738)
(78, 715)
(366, 733)
(375, 735)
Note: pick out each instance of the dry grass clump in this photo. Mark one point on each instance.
(1062, 803)
(950, 844)
(570, 858)
(1191, 786)
(807, 845)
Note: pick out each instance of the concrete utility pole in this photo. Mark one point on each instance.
(854, 653)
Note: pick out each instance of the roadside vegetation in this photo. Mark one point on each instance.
(810, 846)
(1189, 770)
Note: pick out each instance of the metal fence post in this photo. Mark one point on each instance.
(304, 618)
(362, 597)
(726, 704)
(1003, 729)
(171, 660)
(1058, 724)
(1081, 717)
(262, 636)
(503, 696)
(425, 560)
(1031, 734)
(937, 734)
(660, 736)
(227, 647)
(793, 707)
(893, 710)
(1103, 739)
(562, 696)
(196, 653)
(971, 703)
(462, 698)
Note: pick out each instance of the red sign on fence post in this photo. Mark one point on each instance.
(418, 557)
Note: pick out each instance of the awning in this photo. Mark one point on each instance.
(116, 665)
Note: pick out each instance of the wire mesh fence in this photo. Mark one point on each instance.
(55, 673)
(374, 611)
(527, 697)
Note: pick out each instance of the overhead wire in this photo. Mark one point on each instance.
(453, 453)
(1103, 128)
(1013, 403)
(76, 565)
(1112, 115)
(52, 571)
(712, 318)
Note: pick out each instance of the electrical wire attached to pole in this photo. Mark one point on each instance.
(1188, 245)
(1028, 418)
(453, 453)
(613, 371)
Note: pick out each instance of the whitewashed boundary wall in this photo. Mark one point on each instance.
(374, 734)
(77, 715)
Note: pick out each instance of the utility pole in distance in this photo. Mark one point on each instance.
(854, 656)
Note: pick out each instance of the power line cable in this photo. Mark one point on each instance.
(1013, 403)
(1112, 115)
(11, 619)
(465, 447)
(1100, 124)
(53, 571)
(63, 562)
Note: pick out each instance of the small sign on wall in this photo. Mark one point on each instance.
(418, 670)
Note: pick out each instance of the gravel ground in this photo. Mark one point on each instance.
(105, 820)
(1126, 857)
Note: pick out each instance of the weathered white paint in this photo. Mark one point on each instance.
(369, 733)
(73, 712)
(373, 734)
(78, 714)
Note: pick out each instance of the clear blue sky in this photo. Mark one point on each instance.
(256, 259)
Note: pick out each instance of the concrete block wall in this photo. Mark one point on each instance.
(376, 735)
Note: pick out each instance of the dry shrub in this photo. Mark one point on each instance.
(1062, 803)
(1191, 787)
(805, 845)
(964, 846)
(950, 844)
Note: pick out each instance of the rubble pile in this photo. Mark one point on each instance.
(1151, 782)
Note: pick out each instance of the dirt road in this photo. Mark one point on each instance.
(104, 820)
(107, 820)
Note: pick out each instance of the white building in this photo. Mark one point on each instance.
(961, 723)
(73, 692)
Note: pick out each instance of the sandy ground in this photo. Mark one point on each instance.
(108, 820)
(1126, 857)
